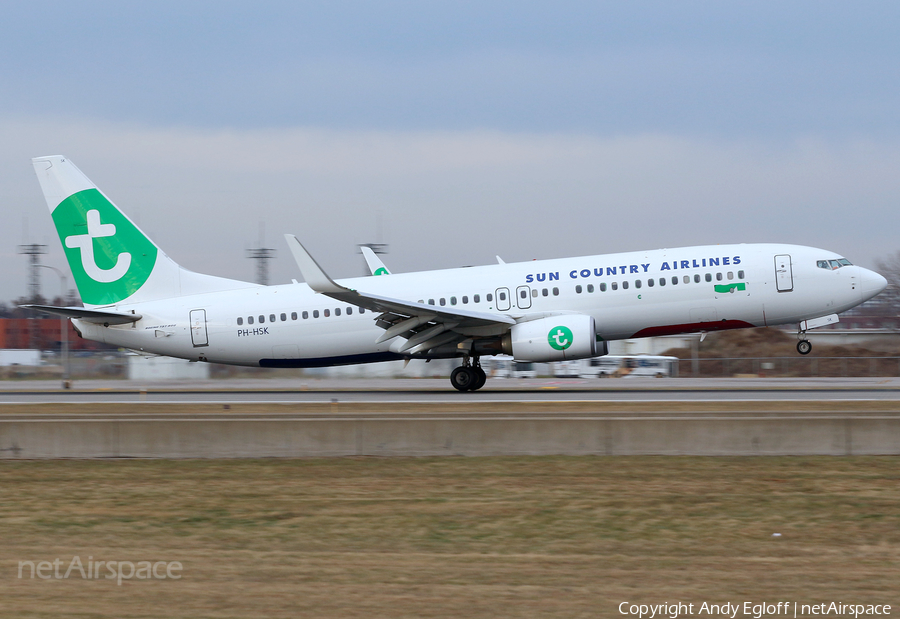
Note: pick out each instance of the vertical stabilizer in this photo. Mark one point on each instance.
(111, 259)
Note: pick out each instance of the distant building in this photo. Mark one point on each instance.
(17, 332)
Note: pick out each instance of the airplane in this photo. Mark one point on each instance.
(138, 298)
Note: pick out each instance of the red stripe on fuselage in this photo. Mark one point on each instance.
(693, 327)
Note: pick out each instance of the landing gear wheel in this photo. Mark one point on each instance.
(803, 347)
(480, 379)
(463, 378)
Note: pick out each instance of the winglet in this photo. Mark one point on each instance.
(376, 266)
(315, 277)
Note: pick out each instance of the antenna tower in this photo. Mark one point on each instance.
(262, 255)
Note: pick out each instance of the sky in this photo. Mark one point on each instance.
(455, 131)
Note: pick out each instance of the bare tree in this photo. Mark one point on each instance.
(888, 301)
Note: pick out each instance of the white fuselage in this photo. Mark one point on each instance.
(739, 286)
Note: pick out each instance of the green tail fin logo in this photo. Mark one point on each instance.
(109, 257)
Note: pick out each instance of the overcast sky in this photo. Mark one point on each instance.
(455, 131)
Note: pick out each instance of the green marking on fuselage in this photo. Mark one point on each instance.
(731, 287)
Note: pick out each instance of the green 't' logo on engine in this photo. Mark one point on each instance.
(109, 257)
(560, 338)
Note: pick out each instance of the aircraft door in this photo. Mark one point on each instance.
(784, 276)
(503, 301)
(198, 328)
(523, 297)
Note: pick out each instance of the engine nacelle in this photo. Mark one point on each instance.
(557, 338)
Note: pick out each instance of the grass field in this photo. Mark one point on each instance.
(450, 537)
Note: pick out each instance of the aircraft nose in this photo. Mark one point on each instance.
(871, 283)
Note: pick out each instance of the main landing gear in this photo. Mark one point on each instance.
(469, 376)
(804, 345)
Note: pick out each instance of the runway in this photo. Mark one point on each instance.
(432, 391)
(322, 418)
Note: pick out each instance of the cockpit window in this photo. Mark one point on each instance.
(833, 264)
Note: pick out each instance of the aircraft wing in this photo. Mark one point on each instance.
(100, 317)
(423, 326)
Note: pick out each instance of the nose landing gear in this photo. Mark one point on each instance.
(803, 347)
(469, 376)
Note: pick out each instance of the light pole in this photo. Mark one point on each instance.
(63, 327)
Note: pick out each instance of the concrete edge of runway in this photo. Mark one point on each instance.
(277, 385)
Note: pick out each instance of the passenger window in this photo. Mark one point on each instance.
(476, 298)
(283, 317)
(271, 317)
(697, 278)
(534, 292)
(305, 315)
(556, 292)
(502, 296)
(337, 311)
(349, 311)
(240, 321)
(674, 280)
(650, 282)
(590, 287)
(637, 283)
(465, 300)
(362, 310)
(718, 277)
(262, 319)
(452, 300)
(293, 315)
(740, 274)
(443, 301)
(430, 301)
(545, 292)
(249, 320)
(315, 313)
(577, 291)
(687, 279)
(326, 313)
(730, 275)
(614, 286)
(662, 281)
(625, 285)
(603, 287)
(489, 297)
(709, 277)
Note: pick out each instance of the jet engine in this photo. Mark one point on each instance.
(556, 338)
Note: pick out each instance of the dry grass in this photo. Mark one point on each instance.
(451, 537)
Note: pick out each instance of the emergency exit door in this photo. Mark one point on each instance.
(198, 328)
(784, 276)
(523, 297)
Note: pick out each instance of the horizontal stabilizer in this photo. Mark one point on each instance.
(100, 317)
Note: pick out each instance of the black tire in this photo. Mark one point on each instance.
(804, 347)
(462, 378)
(480, 379)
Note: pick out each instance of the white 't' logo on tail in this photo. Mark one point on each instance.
(85, 242)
